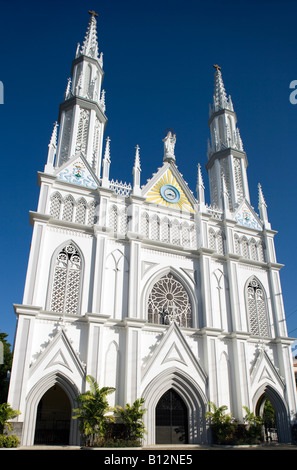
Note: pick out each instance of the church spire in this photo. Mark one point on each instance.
(82, 114)
(225, 150)
(136, 173)
(220, 100)
(90, 45)
(263, 208)
(106, 165)
(52, 147)
(200, 186)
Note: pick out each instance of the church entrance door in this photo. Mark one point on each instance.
(171, 419)
(53, 418)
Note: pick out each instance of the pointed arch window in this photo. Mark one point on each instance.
(257, 309)
(82, 131)
(55, 208)
(68, 209)
(66, 283)
(212, 239)
(165, 228)
(155, 228)
(81, 209)
(169, 301)
(185, 235)
(144, 225)
(175, 232)
(113, 218)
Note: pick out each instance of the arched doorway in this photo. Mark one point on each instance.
(171, 419)
(270, 406)
(53, 418)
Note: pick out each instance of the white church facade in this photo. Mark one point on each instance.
(148, 288)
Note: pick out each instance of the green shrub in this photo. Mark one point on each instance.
(227, 431)
(9, 441)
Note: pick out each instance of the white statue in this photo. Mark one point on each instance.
(169, 145)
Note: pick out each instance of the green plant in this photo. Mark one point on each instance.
(254, 425)
(132, 418)
(92, 409)
(6, 414)
(222, 424)
(9, 441)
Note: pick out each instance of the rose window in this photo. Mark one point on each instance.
(169, 301)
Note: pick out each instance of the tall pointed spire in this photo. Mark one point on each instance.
(200, 186)
(225, 151)
(263, 208)
(82, 116)
(90, 45)
(136, 173)
(52, 147)
(106, 165)
(220, 100)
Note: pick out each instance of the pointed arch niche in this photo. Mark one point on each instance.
(117, 280)
(169, 298)
(65, 279)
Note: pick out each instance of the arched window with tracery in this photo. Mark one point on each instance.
(56, 203)
(68, 209)
(257, 309)
(81, 209)
(66, 283)
(169, 301)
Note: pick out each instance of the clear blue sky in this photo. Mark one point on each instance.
(158, 59)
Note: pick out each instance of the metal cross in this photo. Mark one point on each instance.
(217, 67)
(93, 13)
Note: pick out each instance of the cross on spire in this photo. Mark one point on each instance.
(93, 13)
(217, 67)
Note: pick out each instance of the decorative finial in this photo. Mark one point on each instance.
(217, 67)
(93, 13)
(137, 158)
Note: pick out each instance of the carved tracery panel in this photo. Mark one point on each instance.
(257, 310)
(66, 285)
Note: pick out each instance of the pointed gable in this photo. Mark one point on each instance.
(247, 217)
(174, 351)
(168, 188)
(264, 370)
(78, 171)
(58, 355)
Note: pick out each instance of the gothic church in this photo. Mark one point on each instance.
(147, 288)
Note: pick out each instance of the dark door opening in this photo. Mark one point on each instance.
(53, 418)
(171, 419)
(266, 410)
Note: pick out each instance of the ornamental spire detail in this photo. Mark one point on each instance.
(90, 44)
(220, 100)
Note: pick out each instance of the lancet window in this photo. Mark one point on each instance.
(81, 209)
(55, 208)
(66, 284)
(257, 310)
(169, 301)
